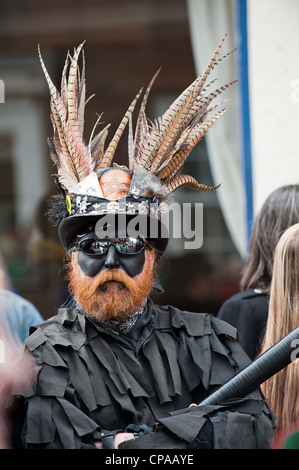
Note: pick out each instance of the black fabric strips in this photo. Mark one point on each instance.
(88, 380)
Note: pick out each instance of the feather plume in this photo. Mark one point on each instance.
(160, 147)
(73, 158)
(169, 127)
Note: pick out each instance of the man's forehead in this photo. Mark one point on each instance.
(115, 183)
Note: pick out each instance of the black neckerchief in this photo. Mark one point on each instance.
(137, 334)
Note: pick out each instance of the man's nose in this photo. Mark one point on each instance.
(112, 260)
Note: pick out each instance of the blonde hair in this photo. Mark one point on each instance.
(282, 390)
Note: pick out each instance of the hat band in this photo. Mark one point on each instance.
(92, 205)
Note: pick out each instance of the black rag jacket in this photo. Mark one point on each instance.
(91, 382)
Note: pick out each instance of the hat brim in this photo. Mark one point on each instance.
(151, 228)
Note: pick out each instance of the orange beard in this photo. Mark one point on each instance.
(111, 294)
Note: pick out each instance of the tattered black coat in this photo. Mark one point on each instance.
(91, 382)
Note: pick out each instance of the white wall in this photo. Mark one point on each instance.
(273, 53)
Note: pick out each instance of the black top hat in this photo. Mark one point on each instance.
(128, 216)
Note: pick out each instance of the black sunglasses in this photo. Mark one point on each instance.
(95, 246)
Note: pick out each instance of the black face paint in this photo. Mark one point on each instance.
(131, 264)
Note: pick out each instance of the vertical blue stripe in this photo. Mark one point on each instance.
(241, 20)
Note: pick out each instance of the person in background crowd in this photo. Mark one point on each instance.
(248, 309)
(15, 371)
(282, 390)
(17, 315)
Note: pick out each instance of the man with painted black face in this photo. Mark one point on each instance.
(113, 370)
(110, 278)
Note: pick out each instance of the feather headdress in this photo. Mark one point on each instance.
(157, 150)
(160, 147)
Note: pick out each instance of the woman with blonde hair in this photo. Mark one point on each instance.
(248, 309)
(282, 390)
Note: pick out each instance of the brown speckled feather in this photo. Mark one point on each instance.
(187, 180)
(175, 161)
(109, 153)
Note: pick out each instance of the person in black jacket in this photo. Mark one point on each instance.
(113, 370)
(248, 309)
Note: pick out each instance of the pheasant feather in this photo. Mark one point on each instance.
(187, 180)
(72, 157)
(109, 153)
(175, 161)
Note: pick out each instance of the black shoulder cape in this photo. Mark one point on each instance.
(90, 382)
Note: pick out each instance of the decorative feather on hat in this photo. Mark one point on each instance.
(157, 150)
